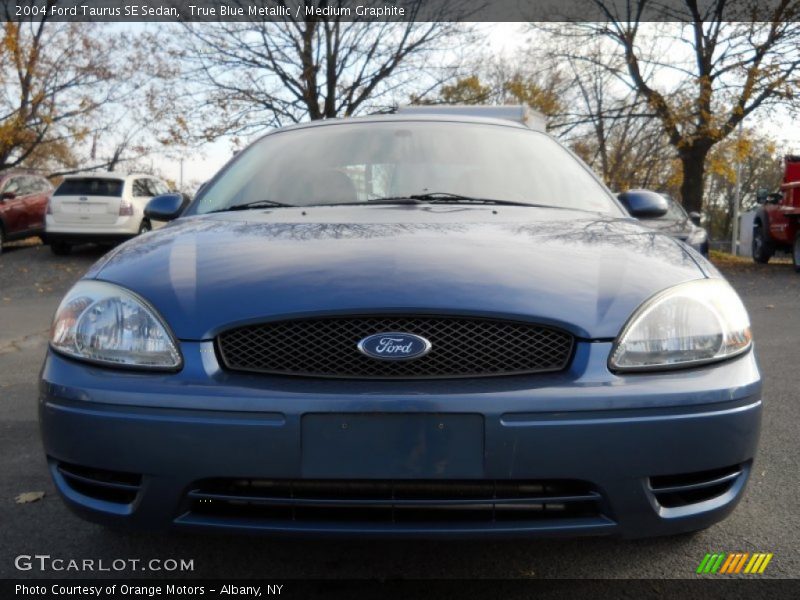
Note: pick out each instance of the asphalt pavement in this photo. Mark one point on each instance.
(31, 284)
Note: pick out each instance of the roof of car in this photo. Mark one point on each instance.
(107, 175)
(408, 117)
(13, 172)
(517, 113)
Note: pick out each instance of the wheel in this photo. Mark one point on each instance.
(60, 248)
(796, 252)
(145, 227)
(762, 246)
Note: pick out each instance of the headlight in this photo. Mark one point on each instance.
(692, 323)
(103, 323)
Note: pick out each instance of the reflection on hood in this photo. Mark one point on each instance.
(571, 269)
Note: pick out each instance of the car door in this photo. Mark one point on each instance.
(15, 219)
(38, 189)
(26, 197)
(779, 226)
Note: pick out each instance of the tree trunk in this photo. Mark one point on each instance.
(693, 161)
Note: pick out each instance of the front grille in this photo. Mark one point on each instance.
(460, 347)
(673, 491)
(393, 501)
(109, 486)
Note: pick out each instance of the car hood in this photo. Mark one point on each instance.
(579, 271)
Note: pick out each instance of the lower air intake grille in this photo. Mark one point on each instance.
(673, 491)
(356, 501)
(110, 486)
(460, 347)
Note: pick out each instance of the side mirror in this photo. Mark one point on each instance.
(695, 217)
(644, 204)
(7, 196)
(164, 208)
(761, 195)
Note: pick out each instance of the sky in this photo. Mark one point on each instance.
(502, 38)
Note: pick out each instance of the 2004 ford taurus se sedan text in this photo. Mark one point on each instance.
(405, 326)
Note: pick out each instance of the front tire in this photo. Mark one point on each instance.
(762, 246)
(796, 252)
(60, 248)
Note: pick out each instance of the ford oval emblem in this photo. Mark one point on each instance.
(394, 346)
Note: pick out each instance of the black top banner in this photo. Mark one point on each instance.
(397, 10)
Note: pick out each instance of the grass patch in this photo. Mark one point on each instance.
(723, 259)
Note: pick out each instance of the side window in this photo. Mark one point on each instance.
(148, 187)
(140, 188)
(13, 185)
(42, 185)
(30, 185)
(161, 187)
(23, 186)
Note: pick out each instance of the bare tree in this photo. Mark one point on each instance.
(244, 77)
(609, 126)
(74, 96)
(55, 77)
(701, 74)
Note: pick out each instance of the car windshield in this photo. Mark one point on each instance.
(89, 186)
(354, 162)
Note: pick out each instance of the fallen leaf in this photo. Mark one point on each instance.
(770, 306)
(29, 497)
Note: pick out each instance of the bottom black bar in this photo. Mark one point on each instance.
(407, 589)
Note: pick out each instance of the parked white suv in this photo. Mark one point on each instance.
(99, 208)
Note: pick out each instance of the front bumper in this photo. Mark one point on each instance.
(618, 440)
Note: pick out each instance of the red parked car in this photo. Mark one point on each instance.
(23, 203)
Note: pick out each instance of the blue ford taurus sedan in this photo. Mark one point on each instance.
(403, 326)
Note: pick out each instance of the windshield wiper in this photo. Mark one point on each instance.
(448, 198)
(254, 204)
(393, 200)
